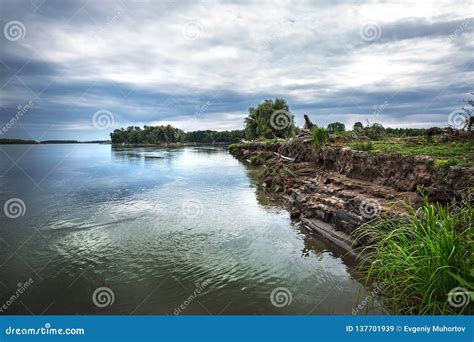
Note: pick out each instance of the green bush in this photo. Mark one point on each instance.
(320, 136)
(421, 259)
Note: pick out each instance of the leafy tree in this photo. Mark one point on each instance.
(357, 126)
(375, 131)
(270, 119)
(336, 127)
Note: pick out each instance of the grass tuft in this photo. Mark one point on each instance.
(421, 259)
(320, 136)
(363, 146)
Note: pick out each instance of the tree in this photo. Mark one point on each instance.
(336, 127)
(270, 119)
(358, 126)
(375, 131)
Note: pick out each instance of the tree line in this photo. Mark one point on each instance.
(269, 119)
(155, 135)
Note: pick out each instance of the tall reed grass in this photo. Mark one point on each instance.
(422, 258)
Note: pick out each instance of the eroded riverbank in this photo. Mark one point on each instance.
(347, 188)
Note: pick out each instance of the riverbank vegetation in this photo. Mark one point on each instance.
(423, 260)
(270, 119)
(446, 153)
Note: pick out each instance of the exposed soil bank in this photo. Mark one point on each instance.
(345, 188)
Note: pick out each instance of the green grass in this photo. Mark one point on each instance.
(422, 258)
(450, 153)
(363, 146)
(320, 136)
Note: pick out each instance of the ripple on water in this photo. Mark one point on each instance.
(147, 249)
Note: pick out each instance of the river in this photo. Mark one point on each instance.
(106, 230)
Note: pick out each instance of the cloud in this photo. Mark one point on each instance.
(199, 65)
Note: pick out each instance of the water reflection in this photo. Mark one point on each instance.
(120, 218)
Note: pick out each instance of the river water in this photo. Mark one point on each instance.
(105, 230)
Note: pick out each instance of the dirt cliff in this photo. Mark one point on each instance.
(346, 188)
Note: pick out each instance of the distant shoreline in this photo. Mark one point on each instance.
(104, 142)
(34, 142)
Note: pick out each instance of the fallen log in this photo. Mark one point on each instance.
(292, 160)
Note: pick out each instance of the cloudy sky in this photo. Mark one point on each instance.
(79, 69)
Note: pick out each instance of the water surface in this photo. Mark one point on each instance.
(167, 230)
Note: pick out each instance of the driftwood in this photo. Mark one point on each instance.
(307, 122)
(288, 159)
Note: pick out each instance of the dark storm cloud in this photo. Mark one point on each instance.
(201, 65)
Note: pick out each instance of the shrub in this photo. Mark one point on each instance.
(320, 136)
